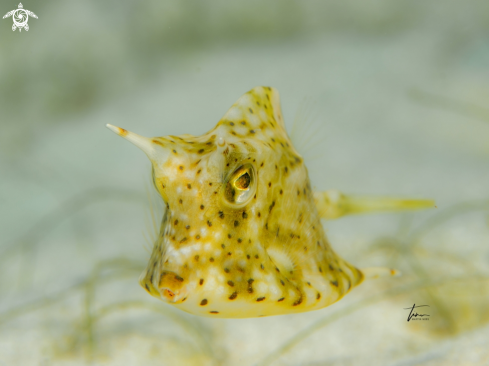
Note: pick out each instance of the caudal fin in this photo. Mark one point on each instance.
(333, 204)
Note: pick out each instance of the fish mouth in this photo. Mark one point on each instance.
(170, 287)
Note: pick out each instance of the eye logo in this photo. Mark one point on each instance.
(20, 17)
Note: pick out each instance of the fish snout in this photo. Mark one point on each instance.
(171, 287)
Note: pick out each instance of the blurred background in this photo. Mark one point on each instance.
(388, 98)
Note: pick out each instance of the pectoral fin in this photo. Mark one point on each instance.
(332, 204)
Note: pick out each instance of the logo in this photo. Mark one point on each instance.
(20, 17)
(413, 315)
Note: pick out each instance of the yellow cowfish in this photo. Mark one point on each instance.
(242, 235)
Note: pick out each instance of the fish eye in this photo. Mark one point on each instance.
(240, 186)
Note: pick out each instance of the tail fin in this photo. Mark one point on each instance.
(332, 204)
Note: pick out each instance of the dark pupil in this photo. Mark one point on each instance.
(243, 182)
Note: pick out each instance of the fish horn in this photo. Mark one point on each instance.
(142, 142)
(377, 272)
(333, 204)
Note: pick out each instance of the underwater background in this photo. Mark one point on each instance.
(380, 97)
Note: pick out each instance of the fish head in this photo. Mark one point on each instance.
(226, 193)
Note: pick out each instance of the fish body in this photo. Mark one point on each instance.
(241, 235)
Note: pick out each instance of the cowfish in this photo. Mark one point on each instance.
(241, 235)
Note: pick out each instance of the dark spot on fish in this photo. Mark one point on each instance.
(318, 296)
(281, 299)
(251, 110)
(298, 302)
(233, 296)
(180, 167)
(229, 236)
(178, 278)
(183, 240)
(245, 215)
(240, 240)
(197, 257)
(320, 269)
(180, 200)
(229, 253)
(201, 151)
(197, 237)
(223, 246)
(187, 227)
(256, 256)
(261, 164)
(271, 206)
(236, 223)
(201, 207)
(248, 256)
(231, 283)
(175, 222)
(201, 281)
(198, 171)
(211, 259)
(147, 288)
(252, 131)
(226, 270)
(221, 214)
(203, 302)
(269, 184)
(282, 282)
(334, 283)
(259, 214)
(189, 186)
(250, 283)
(209, 223)
(260, 299)
(261, 265)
